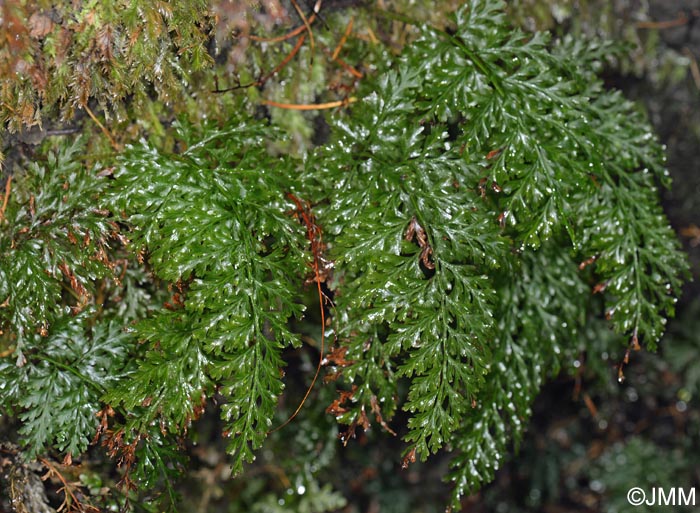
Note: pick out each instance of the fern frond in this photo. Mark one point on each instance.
(214, 219)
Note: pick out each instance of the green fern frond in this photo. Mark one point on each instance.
(214, 219)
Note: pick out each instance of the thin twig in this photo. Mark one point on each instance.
(8, 188)
(70, 501)
(694, 70)
(678, 22)
(315, 237)
(290, 35)
(590, 405)
(283, 63)
(348, 68)
(372, 37)
(368, 36)
(233, 88)
(102, 127)
(307, 25)
(268, 76)
(354, 72)
(343, 39)
(313, 106)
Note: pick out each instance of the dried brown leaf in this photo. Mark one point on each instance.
(40, 25)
